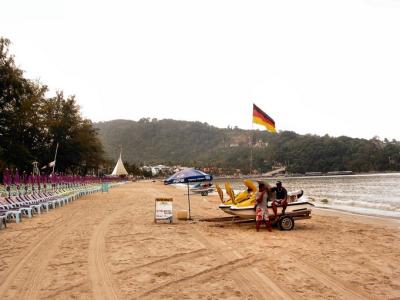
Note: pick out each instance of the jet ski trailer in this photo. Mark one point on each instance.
(300, 210)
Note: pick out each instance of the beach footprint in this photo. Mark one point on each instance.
(162, 274)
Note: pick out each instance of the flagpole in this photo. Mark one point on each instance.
(55, 157)
(251, 143)
(260, 118)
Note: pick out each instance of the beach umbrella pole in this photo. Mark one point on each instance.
(190, 217)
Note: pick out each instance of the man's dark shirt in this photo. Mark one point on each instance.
(280, 193)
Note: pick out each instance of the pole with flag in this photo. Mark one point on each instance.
(53, 163)
(260, 118)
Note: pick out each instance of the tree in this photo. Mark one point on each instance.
(31, 125)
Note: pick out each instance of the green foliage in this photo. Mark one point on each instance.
(135, 170)
(201, 145)
(31, 124)
(150, 141)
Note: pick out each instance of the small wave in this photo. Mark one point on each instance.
(364, 211)
(358, 206)
(364, 204)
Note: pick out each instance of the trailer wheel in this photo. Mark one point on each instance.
(204, 193)
(286, 223)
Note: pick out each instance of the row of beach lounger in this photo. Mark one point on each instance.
(18, 205)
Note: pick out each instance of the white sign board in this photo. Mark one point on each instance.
(163, 209)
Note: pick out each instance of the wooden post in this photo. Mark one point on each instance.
(190, 216)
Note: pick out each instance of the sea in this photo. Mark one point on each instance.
(370, 194)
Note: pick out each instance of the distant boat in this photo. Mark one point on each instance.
(313, 173)
(329, 173)
(202, 188)
(340, 173)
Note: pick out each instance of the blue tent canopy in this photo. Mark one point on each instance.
(188, 175)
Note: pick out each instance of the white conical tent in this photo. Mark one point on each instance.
(119, 168)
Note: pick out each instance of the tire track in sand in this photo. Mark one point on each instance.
(31, 286)
(248, 278)
(241, 269)
(35, 259)
(167, 260)
(260, 285)
(218, 269)
(100, 276)
(346, 290)
(342, 288)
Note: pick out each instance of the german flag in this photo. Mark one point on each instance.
(261, 118)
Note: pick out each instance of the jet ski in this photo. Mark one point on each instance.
(202, 188)
(235, 199)
(242, 205)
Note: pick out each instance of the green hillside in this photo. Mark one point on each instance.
(198, 144)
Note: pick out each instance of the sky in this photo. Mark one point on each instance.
(318, 67)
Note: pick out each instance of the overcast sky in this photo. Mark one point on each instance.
(314, 66)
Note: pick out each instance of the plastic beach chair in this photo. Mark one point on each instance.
(12, 214)
(42, 203)
(19, 202)
(3, 220)
(23, 209)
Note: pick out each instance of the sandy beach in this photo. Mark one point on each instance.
(106, 246)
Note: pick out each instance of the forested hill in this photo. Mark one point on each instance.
(198, 144)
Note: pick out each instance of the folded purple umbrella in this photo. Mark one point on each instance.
(31, 179)
(16, 178)
(7, 177)
(24, 178)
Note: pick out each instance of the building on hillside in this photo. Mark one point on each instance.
(260, 144)
(161, 169)
(146, 169)
(158, 170)
(213, 170)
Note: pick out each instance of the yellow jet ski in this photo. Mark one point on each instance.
(226, 204)
(242, 197)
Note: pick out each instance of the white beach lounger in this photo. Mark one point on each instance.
(3, 221)
(12, 214)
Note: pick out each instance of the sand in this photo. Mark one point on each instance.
(106, 246)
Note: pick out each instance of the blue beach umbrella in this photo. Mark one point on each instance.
(187, 176)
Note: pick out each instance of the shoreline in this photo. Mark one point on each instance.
(380, 219)
(308, 176)
(345, 192)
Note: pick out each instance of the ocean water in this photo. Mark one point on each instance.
(372, 194)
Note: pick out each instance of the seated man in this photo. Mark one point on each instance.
(280, 198)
